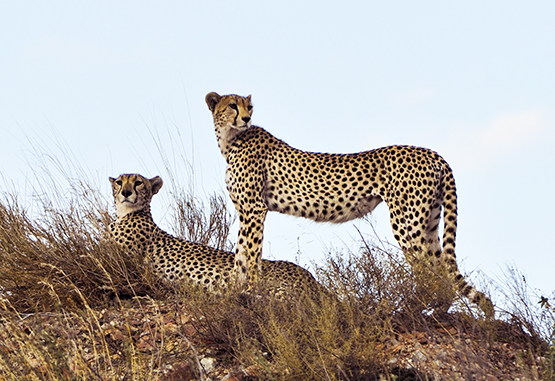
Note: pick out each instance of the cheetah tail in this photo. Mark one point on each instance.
(449, 235)
(449, 213)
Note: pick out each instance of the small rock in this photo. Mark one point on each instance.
(419, 356)
(179, 372)
(208, 363)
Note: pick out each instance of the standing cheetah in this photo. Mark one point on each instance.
(266, 174)
(176, 259)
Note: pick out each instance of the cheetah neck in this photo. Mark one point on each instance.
(130, 214)
(143, 217)
(226, 135)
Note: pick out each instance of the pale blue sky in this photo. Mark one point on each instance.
(474, 81)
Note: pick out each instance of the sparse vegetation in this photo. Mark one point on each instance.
(73, 306)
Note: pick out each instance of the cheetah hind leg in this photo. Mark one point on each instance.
(438, 281)
(444, 283)
(433, 288)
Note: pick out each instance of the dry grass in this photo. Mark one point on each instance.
(64, 259)
(195, 222)
(354, 333)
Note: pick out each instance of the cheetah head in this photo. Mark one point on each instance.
(230, 111)
(133, 193)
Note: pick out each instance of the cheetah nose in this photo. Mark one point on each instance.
(126, 193)
(246, 119)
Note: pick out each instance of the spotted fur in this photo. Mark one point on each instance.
(175, 259)
(266, 174)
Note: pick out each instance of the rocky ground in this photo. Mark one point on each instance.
(148, 340)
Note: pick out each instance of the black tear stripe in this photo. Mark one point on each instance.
(236, 116)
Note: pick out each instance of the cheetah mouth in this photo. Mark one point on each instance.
(241, 127)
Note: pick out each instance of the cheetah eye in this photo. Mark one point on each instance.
(233, 106)
(138, 183)
(119, 182)
(249, 107)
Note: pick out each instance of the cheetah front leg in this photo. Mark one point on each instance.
(248, 257)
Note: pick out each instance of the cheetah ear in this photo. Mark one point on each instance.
(156, 183)
(212, 100)
(111, 180)
(249, 97)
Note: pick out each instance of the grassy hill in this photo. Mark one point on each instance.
(74, 307)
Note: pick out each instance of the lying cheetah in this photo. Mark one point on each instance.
(175, 259)
(266, 174)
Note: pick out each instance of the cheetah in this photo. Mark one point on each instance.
(266, 174)
(175, 259)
